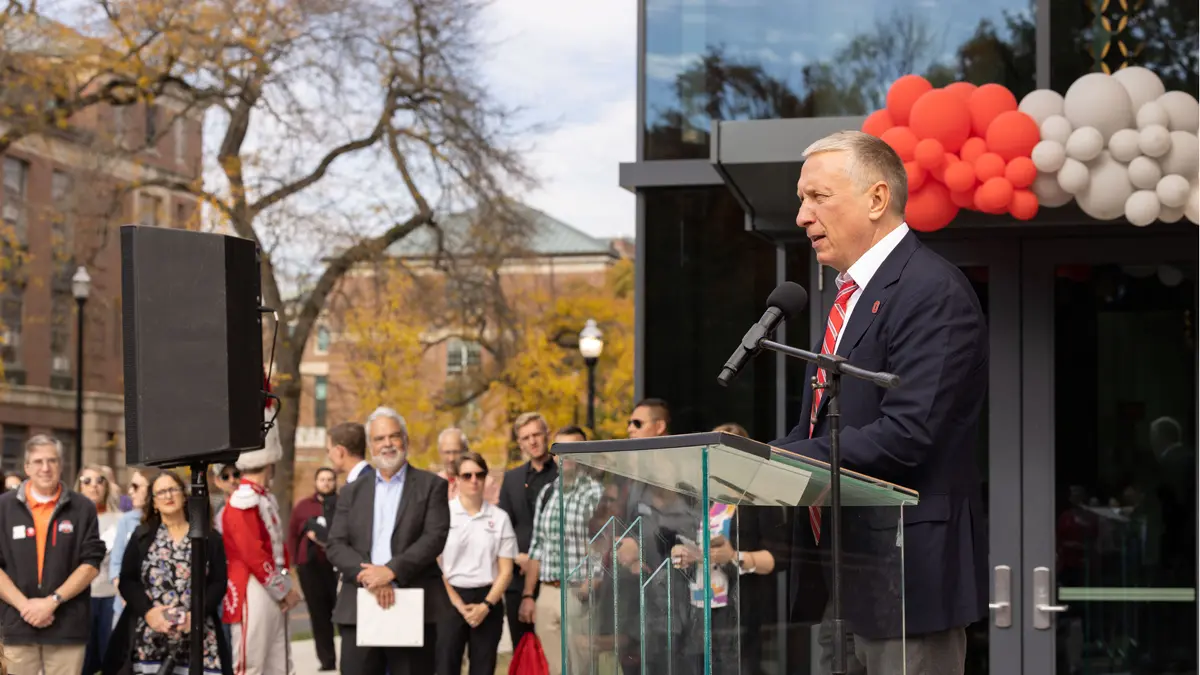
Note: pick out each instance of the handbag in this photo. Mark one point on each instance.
(528, 658)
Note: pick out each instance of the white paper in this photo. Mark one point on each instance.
(403, 625)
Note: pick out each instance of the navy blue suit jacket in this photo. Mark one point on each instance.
(929, 329)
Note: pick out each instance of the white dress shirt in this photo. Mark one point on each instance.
(865, 268)
(358, 468)
(476, 544)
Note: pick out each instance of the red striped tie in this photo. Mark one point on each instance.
(833, 328)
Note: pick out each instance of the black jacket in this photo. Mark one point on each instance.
(118, 659)
(73, 539)
(421, 525)
(514, 502)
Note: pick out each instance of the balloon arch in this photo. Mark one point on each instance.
(1119, 145)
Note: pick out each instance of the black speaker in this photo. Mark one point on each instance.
(193, 346)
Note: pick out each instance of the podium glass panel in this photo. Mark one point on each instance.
(688, 531)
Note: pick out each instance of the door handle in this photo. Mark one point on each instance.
(1002, 596)
(1043, 605)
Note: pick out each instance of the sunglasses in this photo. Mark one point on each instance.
(99, 480)
(637, 424)
(231, 475)
(472, 475)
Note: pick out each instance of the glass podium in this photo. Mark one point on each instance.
(686, 534)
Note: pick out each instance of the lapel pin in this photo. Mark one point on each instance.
(875, 307)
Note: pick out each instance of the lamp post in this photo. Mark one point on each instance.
(81, 287)
(591, 344)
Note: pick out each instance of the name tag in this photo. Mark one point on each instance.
(18, 532)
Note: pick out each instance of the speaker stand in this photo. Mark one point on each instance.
(199, 527)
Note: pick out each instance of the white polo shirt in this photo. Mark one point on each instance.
(475, 545)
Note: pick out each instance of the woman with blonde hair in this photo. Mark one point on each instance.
(96, 484)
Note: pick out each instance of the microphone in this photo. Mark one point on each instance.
(788, 299)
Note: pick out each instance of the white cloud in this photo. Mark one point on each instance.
(571, 66)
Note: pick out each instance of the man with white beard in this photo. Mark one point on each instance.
(389, 530)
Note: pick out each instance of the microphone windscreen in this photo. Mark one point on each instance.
(789, 297)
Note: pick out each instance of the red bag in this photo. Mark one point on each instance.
(528, 658)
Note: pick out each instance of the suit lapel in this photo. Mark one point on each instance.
(410, 483)
(368, 498)
(877, 291)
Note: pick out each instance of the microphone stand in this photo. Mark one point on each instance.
(198, 531)
(835, 367)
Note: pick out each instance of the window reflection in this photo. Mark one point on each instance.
(761, 59)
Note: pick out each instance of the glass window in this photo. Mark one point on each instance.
(62, 198)
(13, 458)
(16, 179)
(1102, 36)
(151, 127)
(762, 59)
(324, 337)
(179, 141)
(320, 400)
(60, 335)
(150, 209)
(11, 304)
(463, 356)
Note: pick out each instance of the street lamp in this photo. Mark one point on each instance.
(591, 344)
(81, 287)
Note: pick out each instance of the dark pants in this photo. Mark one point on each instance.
(392, 660)
(318, 580)
(454, 635)
(516, 628)
(102, 625)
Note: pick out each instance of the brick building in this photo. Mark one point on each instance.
(64, 197)
(553, 256)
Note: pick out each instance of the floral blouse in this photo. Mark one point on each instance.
(167, 573)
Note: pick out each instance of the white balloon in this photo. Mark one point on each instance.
(1192, 208)
(1142, 84)
(1041, 104)
(1183, 157)
(1107, 190)
(1154, 141)
(1142, 208)
(1172, 191)
(1181, 107)
(1048, 156)
(1073, 176)
(1144, 173)
(1099, 100)
(1169, 275)
(1085, 144)
(1170, 214)
(1124, 145)
(1056, 128)
(1049, 193)
(1152, 113)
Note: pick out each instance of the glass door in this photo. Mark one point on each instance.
(1108, 488)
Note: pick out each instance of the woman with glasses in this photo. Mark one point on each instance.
(93, 483)
(153, 635)
(477, 565)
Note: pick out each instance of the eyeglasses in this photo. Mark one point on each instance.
(87, 480)
(472, 475)
(167, 493)
(231, 475)
(637, 424)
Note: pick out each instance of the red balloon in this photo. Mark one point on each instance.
(877, 123)
(916, 176)
(1024, 205)
(1013, 134)
(1020, 172)
(930, 208)
(994, 195)
(929, 153)
(988, 166)
(903, 93)
(973, 149)
(942, 115)
(903, 141)
(961, 89)
(960, 177)
(949, 159)
(964, 199)
(986, 103)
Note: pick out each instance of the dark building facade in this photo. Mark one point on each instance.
(1089, 441)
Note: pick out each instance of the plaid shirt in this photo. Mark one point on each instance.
(580, 502)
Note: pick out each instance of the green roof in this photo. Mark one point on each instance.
(547, 236)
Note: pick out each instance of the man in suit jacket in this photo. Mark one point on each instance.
(401, 517)
(518, 498)
(900, 308)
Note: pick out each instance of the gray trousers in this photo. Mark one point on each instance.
(943, 653)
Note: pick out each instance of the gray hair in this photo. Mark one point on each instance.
(43, 440)
(381, 412)
(871, 160)
(462, 437)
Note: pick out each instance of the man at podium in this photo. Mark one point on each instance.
(903, 309)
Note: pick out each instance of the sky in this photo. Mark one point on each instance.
(571, 67)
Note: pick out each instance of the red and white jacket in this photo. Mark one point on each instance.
(254, 546)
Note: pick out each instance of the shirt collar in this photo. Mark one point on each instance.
(398, 477)
(358, 468)
(457, 507)
(866, 266)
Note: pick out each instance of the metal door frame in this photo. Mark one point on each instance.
(1038, 259)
